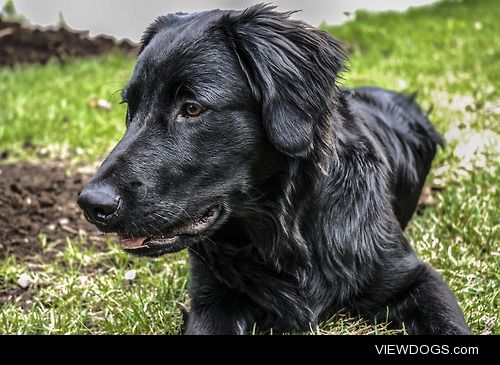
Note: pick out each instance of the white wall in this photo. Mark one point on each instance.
(128, 18)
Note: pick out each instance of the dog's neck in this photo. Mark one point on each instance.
(267, 220)
(265, 228)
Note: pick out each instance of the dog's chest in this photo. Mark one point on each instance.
(289, 301)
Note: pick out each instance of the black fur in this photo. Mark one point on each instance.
(315, 182)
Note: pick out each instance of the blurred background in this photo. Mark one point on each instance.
(60, 115)
(128, 18)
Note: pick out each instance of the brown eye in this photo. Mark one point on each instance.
(191, 110)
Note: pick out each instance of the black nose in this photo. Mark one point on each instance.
(99, 202)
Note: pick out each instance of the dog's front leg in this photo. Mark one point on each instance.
(425, 306)
(214, 320)
(434, 307)
(215, 309)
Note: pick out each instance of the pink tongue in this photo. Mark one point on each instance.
(132, 242)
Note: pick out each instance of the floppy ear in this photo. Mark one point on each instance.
(291, 68)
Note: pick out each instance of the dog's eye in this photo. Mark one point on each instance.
(191, 110)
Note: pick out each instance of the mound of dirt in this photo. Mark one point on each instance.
(40, 199)
(20, 44)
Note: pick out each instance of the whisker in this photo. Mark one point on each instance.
(190, 249)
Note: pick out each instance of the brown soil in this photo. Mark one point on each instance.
(36, 200)
(20, 44)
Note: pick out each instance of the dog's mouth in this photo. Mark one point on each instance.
(168, 241)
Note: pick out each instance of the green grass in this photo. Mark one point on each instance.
(84, 292)
(448, 52)
(48, 110)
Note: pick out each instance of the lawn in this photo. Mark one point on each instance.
(448, 52)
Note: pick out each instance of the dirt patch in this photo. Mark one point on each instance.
(40, 199)
(16, 295)
(20, 44)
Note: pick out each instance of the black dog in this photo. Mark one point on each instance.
(289, 192)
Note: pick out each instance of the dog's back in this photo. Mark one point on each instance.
(408, 137)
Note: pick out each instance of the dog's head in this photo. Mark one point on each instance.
(217, 103)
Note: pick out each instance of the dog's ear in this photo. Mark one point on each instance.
(291, 68)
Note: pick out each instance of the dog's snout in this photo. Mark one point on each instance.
(99, 202)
